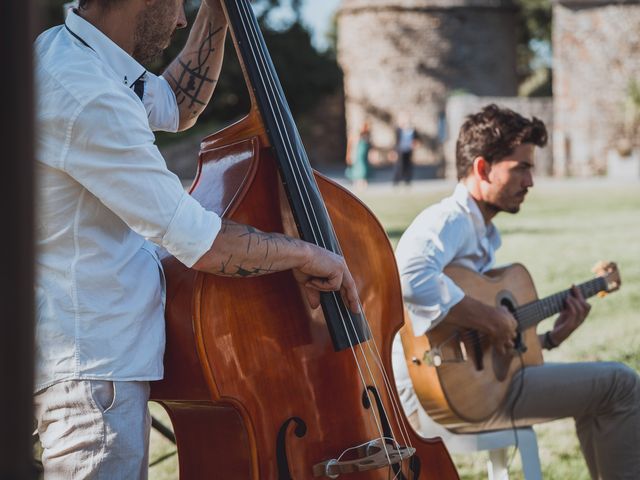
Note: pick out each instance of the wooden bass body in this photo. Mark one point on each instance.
(458, 376)
(253, 386)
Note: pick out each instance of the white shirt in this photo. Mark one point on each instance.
(405, 140)
(451, 232)
(103, 190)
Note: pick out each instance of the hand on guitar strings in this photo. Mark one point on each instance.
(576, 309)
(504, 330)
(496, 322)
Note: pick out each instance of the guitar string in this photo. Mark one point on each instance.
(291, 164)
(532, 310)
(531, 313)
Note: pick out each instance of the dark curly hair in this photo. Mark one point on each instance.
(494, 133)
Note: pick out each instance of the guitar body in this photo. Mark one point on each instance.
(472, 379)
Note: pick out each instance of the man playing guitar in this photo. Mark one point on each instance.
(495, 160)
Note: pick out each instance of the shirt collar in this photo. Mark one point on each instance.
(124, 66)
(466, 201)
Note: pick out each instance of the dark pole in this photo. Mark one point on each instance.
(16, 239)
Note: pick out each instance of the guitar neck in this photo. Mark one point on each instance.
(532, 313)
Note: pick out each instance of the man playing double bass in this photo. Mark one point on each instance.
(495, 161)
(105, 200)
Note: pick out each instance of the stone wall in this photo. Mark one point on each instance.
(596, 49)
(459, 106)
(407, 56)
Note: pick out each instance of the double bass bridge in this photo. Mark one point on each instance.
(371, 456)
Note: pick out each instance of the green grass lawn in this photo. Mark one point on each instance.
(563, 228)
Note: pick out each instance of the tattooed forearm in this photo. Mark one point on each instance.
(230, 269)
(257, 238)
(258, 249)
(191, 74)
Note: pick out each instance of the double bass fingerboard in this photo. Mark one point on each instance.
(308, 208)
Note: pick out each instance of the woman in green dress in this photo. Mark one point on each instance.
(358, 169)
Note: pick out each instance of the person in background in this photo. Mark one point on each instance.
(358, 168)
(406, 141)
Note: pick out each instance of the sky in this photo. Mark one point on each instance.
(317, 15)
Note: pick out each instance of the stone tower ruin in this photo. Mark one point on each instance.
(596, 58)
(408, 56)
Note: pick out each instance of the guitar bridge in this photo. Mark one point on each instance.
(451, 350)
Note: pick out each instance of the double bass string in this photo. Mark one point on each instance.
(271, 86)
(264, 58)
(324, 244)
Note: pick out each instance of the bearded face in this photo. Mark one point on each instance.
(509, 180)
(154, 28)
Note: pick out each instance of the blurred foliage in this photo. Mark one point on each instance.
(538, 84)
(632, 111)
(534, 24)
(306, 74)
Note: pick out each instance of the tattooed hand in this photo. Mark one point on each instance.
(327, 272)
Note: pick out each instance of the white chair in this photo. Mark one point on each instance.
(496, 442)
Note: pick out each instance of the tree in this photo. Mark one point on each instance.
(534, 22)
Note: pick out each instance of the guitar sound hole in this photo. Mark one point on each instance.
(506, 302)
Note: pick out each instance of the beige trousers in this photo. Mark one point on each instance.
(94, 429)
(602, 397)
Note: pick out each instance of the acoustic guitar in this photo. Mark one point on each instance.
(458, 376)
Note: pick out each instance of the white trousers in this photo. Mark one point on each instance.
(94, 429)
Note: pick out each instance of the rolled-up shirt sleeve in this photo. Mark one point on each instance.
(160, 103)
(121, 166)
(422, 255)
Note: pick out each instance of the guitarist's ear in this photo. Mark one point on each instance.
(481, 169)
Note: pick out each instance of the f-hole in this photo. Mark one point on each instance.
(281, 445)
(414, 462)
(384, 421)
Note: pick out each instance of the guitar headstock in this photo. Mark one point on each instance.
(609, 272)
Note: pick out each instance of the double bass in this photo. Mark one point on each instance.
(257, 384)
